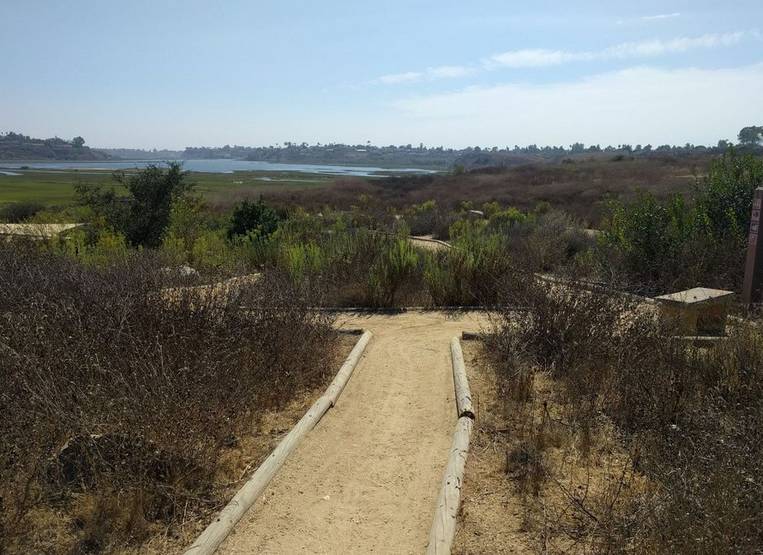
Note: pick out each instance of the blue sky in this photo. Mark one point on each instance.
(171, 74)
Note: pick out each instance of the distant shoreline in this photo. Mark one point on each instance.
(216, 165)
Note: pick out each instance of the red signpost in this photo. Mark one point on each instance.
(753, 273)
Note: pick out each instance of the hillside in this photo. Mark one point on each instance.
(15, 146)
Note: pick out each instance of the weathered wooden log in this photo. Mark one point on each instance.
(343, 376)
(463, 394)
(215, 534)
(443, 529)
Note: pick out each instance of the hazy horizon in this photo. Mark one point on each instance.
(140, 75)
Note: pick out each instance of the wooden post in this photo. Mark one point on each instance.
(751, 290)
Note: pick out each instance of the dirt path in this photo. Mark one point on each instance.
(366, 478)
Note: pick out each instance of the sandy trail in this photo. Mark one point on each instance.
(366, 478)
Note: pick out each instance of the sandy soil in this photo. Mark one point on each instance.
(366, 478)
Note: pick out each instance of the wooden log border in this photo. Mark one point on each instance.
(216, 533)
(443, 529)
(461, 383)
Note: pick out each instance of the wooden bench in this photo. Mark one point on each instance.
(696, 312)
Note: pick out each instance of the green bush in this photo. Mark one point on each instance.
(724, 199)
(17, 212)
(675, 244)
(395, 264)
(253, 218)
(471, 271)
(144, 214)
(423, 218)
(650, 235)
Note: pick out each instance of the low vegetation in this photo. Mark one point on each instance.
(642, 443)
(121, 398)
(124, 385)
(679, 242)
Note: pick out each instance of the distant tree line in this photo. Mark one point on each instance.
(440, 157)
(15, 146)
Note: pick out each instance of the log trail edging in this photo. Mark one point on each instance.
(443, 530)
(460, 382)
(216, 533)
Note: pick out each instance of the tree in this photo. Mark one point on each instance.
(751, 136)
(253, 218)
(143, 215)
(78, 142)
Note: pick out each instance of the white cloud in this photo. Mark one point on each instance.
(448, 71)
(641, 49)
(660, 16)
(541, 57)
(430, 74)
(395, 78)
(641, 104)
(537, 57)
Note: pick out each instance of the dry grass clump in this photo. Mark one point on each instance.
(625, 438)
(117, 404)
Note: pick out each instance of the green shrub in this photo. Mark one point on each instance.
(91, 248)
(673, 244)
(187, 224)
(504, 221)
(17, 212)
(253, 218)
(423, 218)
(471, 272)
(395, 264)
(211, 252)
(650, 235)
(144, 214)
(302, 260)
(724, 199)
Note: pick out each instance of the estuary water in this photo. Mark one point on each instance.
(214, 166)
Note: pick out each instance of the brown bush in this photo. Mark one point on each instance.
(112, 391)
(688, 418)
(581, 189)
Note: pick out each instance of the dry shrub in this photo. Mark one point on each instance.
(553, 243)
(687, 419)
(113, 392)
(580, 189)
